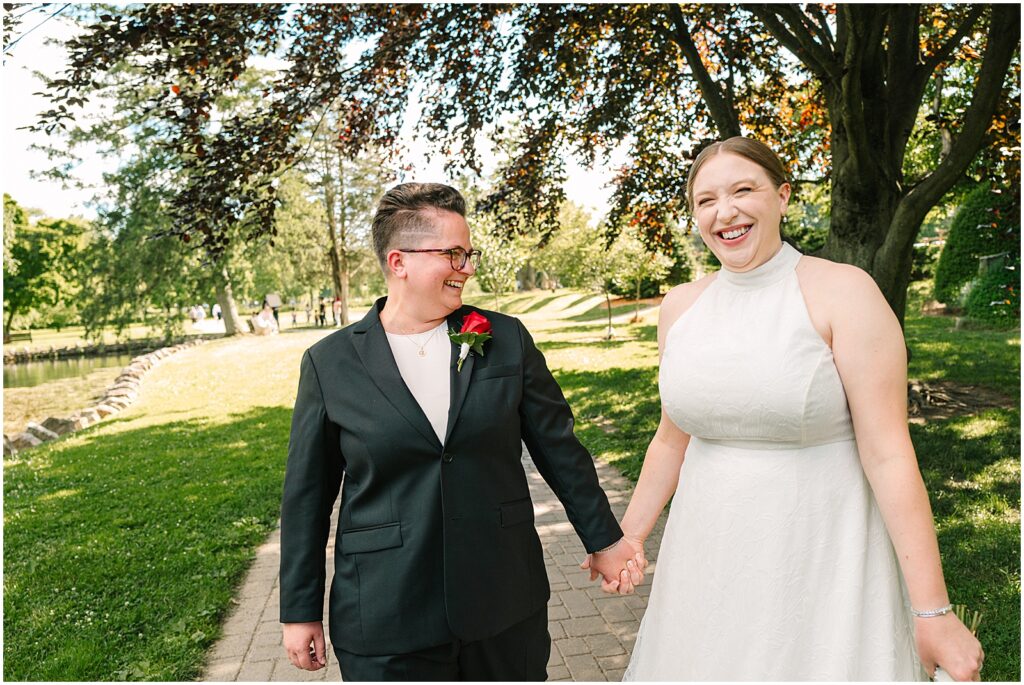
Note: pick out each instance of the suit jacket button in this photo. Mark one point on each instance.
(448, 457)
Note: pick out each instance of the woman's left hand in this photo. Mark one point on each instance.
(945, 641)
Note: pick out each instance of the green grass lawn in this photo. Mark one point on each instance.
(124, 543)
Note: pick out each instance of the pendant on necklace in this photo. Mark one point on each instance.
(422, 353)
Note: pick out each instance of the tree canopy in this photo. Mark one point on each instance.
(841, 91)
(39, 264)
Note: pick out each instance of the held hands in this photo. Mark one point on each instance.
(945, 641)
(621, 566)
(304, 643)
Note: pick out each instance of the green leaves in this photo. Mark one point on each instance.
(474, 340)
(651, 82)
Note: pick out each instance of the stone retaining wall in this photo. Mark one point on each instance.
(26, 354)
(116, 398)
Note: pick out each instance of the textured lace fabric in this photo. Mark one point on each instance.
(775, 563)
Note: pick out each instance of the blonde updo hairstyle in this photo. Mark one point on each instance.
(748, 148)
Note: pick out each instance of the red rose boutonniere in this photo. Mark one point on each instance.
(476, 330)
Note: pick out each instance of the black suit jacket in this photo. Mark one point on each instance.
(433, 542)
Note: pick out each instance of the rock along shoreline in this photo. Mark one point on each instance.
(116, 398)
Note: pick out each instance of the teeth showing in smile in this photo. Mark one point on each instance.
(454, 284)
(735, 233)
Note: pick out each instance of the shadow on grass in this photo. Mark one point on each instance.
(601, 312)
(617, 412)
(975, 357)
(580, 300)
(625, 335)
(964, 449)
(538, 304)
(971, 466)
(304, 328)
(122, 552)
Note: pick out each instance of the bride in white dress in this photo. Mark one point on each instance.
(799, 508)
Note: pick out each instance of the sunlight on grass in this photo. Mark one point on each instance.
(977, 427)
(59, 494)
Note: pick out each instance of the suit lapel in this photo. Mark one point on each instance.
(459, 379)
(374, 351)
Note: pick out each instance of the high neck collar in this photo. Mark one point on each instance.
(771, 271)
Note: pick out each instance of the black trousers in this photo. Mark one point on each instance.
(520, 653)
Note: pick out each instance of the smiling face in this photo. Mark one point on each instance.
(428, 283)
(738, 210)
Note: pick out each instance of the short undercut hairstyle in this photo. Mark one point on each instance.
(403, 215)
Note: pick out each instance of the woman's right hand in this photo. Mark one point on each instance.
(945, 641)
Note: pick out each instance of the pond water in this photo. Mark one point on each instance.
(30, 374)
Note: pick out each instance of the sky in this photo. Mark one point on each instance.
(36, 51)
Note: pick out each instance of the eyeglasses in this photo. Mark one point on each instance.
(457, 255)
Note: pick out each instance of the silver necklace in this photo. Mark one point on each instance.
(421, 349)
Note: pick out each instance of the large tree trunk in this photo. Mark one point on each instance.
(865, 196)
(876, 212)
(233, 323)
(874, 77)
(333, 253)
(528, 274)
(636, 312)
(608, 303)
(8, 322)
(343, 270)
(336, 252)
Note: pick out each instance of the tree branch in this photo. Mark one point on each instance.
(904, 89)
(797, 16)
(851, 95)
(821, 23)
(795, 37)
(720, 109)
(943, 53)
(908, 75)
(1003, 39)
(842, 33)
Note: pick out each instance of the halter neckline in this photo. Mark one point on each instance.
(771, 271)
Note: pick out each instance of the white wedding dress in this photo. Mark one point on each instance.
(775, 563)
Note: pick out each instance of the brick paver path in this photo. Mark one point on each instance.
(592, 633)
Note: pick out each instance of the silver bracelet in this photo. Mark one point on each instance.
(932, 613)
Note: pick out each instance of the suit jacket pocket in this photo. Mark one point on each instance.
(372, 539)
(498, 371)
(514, 513)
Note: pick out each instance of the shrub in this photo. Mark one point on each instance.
(648, 288)
(994, 297)
(925, 259)
(987, 223)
